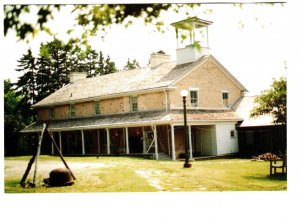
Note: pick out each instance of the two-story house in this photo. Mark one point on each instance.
(141, 111)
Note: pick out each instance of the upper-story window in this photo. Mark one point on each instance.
(194, 98)
(133, 103)
(72, 110)
(97, 107)
(52, 113)
(225, 99)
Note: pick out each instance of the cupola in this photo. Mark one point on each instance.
(192, 39)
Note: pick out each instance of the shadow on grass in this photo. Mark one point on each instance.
(278, 177)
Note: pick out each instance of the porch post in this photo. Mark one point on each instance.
(155, 142)
(173, 142)
(98, 140)
(127, 140)
(52, 145)
(144, 140)
(82, 142)
(190, 141)
(60, 142)
(108, 140)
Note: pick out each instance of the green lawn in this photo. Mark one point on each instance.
(119, 174)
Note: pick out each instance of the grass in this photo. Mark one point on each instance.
(120, 174)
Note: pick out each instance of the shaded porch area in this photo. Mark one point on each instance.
(157, 133)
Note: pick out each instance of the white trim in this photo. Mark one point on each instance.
(127, 140)
(131, 102)
(155, 141)
(228, 99)
(190, 97)
(82, 142)
(95, 103)
(108, 140)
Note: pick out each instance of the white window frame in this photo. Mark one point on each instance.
(72, 113)
(228, 99)
(190, 95)
(52, 113)
(97, 106)
(133, 103)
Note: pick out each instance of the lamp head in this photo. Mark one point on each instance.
(184, 93)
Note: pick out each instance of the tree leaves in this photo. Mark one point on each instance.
(91, 17)
(273, 101)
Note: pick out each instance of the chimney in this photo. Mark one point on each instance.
(75, 76)
(158, 58)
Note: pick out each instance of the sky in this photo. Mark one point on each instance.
(251, 42)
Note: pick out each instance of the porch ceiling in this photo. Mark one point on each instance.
(135, 119)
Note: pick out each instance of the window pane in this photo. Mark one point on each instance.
(134, 103)
(225, 96)
(194, 98)
(52, 115)
(97, 107)
(72, 109)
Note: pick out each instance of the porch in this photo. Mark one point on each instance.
(158, 133)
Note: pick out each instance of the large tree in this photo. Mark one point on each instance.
(50, 71)
(90, 17)
(27, 82)
(273, 101)
(15, 117)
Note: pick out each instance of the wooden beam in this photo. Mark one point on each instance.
(52, 145)
(108, 140)
(82, 142)
(60, 154)
(98, 141)
(127, 140)
(144, 140)
(38, 153)
(155, 142)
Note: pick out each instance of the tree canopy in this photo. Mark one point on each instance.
(91, 17)
(273, 101)
(50, 71)
(130, 65)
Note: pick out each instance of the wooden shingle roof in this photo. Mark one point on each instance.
(126, 82)
(136, 119)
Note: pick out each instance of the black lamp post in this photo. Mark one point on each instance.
(184, 94)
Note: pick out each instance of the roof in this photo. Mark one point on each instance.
(191, 22)
(136, 119)
(124, 82)
(243, 109)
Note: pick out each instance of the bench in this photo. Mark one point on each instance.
(280, 164)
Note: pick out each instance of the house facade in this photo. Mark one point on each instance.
(141, 111)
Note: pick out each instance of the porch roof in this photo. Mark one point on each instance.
(136, 119)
